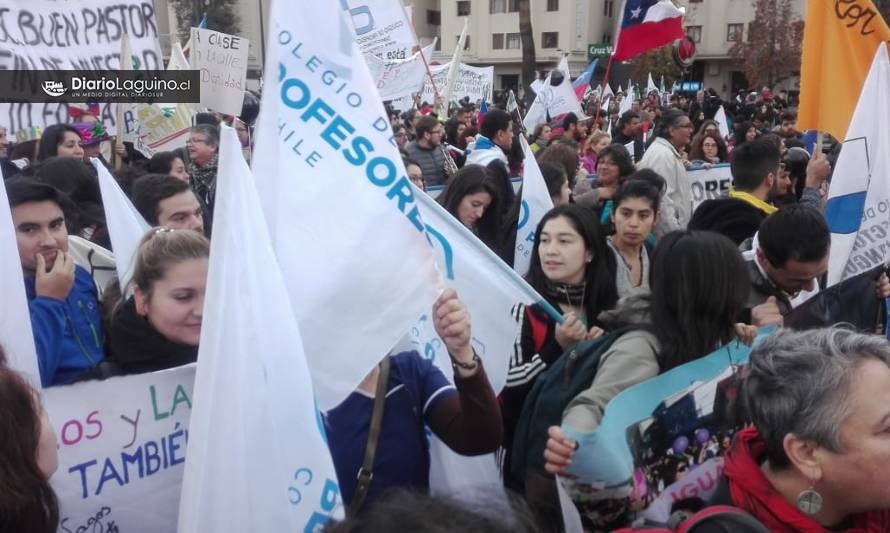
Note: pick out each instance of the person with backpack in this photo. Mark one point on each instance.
(692, 310)
(572, 268)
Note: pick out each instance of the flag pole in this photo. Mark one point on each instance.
(423, 57)
(599, 106)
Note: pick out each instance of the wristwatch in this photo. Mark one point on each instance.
(466, 366)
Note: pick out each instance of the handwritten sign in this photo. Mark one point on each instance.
(222, 60)
(44, 35)
(122, 446)
(472, 82)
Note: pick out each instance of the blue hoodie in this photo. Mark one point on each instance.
(68, 334)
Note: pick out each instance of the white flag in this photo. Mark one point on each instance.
(625, 105)
(342, 214)
(16, 336)
(858, 208)
(257, 456)
(631, 149)
(453, 71)
(554, 101)
(722, 125)
(536, 202)
(126, 227)
(489, 288)
(650, 85)
(399, 78)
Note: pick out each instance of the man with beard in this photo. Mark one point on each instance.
(757, 181)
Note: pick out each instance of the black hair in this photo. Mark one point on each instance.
(403, 510)
(670, 118)
(425, 124)
(554, 177)
(80, 187)
(740, 132)
(699, 285)
(472, 179)
(650, 176)
(752, 162)
(620, 156)
(568, 120)
(151, 189)
(451, 127)
(495, 120)
(208, 119)
(162, 162)
(600, 294)
(637, 189)
(24, 190)
(795, 232)
(51, 139)
(626, 117)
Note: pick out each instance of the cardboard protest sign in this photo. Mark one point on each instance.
(46, 35)
(122, 445)
(222, 60)
(709, 184)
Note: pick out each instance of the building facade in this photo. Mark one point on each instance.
(715, 26)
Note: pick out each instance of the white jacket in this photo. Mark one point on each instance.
(664, 159)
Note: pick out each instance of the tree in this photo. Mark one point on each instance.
(222, 16)
(529, 62)
(660, 62)
(772, 50)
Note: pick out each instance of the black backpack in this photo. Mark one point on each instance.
(558, 385)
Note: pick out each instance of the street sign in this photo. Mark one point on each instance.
(599, 49)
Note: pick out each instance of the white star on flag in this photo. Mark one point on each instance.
(635, 13)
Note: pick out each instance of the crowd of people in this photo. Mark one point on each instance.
(622, 255)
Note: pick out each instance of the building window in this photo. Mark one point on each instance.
(438, 47)
(552, 5)
(466, 43)
(497, 41)
(550, 39)
(513, 6)
(607, 38)
(734, 32)
(433, 17)
(463, 8)
(694, 33)
(513, 41)
(497, 6)
(607, 8)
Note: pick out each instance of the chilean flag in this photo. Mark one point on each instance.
(581, 83)
(647, 24)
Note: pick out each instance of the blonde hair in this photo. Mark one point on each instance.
(593, 139)
(161, 248)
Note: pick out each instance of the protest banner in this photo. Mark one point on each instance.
(222, 61)
(535, 203)
(605, 459)
(122, 445)
(709, 184)
(472, 82)
(125, 225)
(323, 137)
(381, 27)
(858, 208)
(162, 127)
(278, 474)
(400, 78)
(46, 35)
(16, 337)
